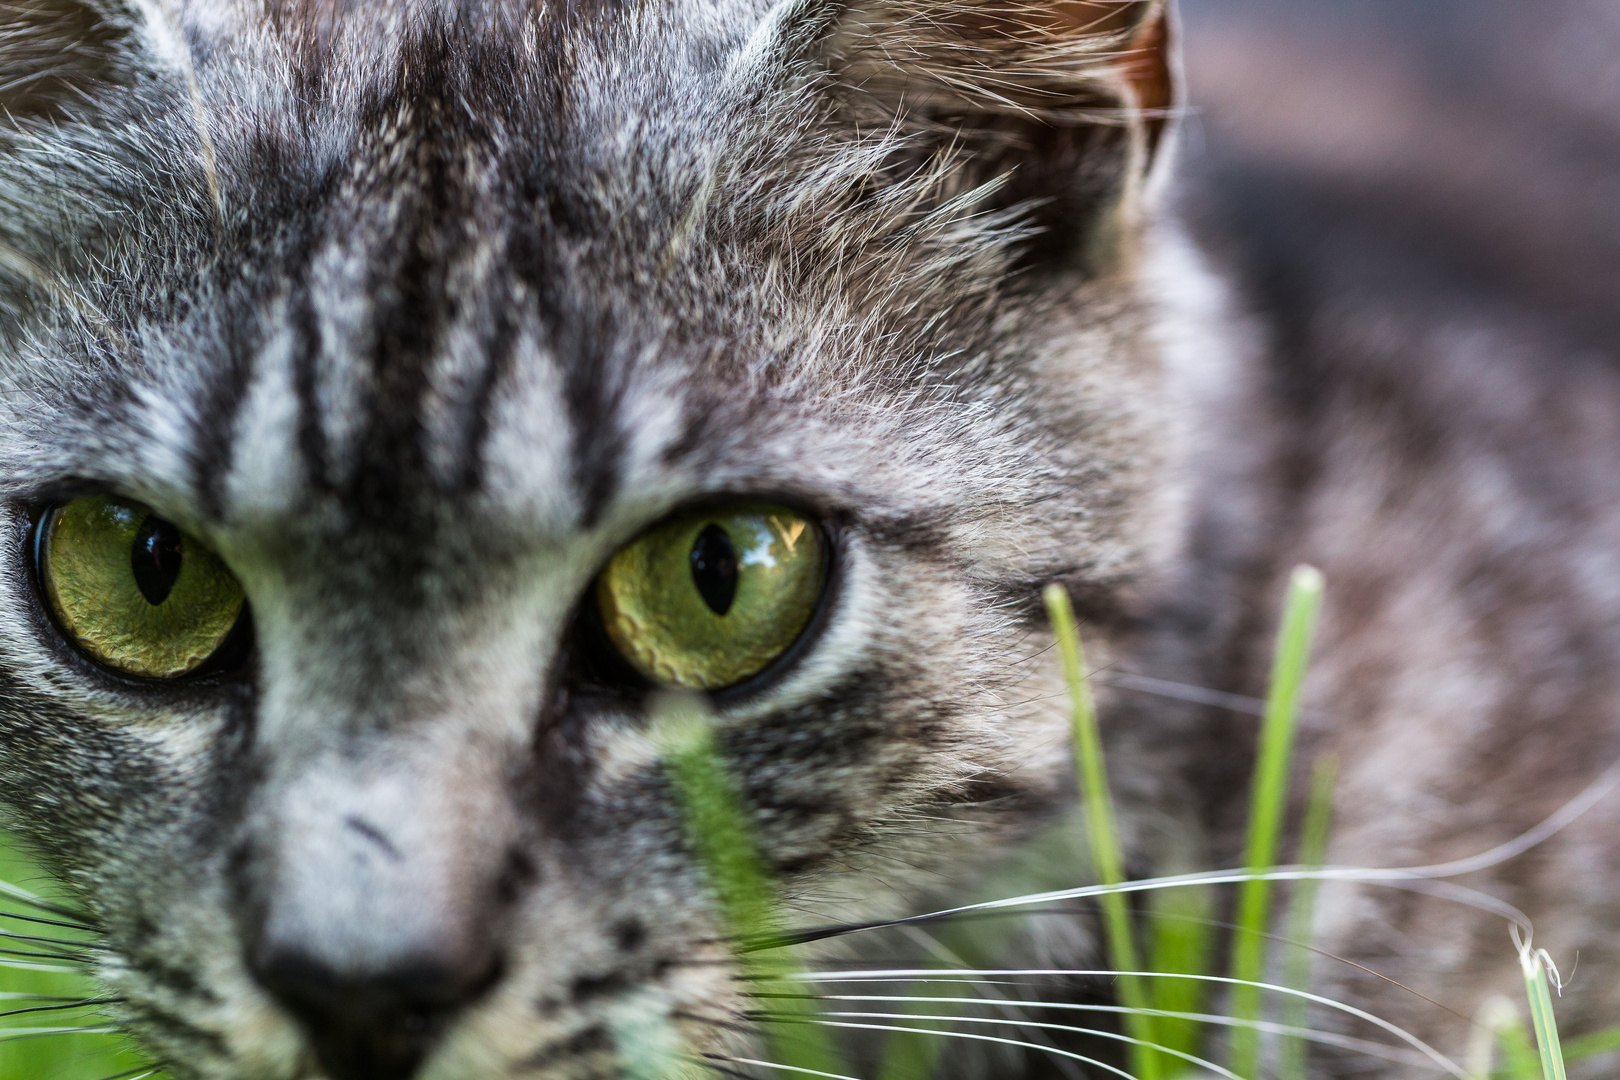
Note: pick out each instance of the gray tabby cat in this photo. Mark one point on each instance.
(398, 397)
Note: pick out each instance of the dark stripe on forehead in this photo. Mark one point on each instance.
(593, 389)
(419, 195)
(214, 442)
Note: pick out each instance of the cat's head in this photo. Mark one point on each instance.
(394, 398)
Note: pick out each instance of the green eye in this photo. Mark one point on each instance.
(709, 599)
(135, 592)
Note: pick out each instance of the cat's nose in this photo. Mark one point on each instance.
(374, 908)
(376, 1025)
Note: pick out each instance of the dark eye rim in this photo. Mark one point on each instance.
(597, 665)
(226, 662)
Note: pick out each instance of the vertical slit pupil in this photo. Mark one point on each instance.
(714, 568)
(155, 559)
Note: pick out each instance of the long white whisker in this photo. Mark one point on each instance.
(1326, 1038)
(1415, 878)
(946, 958)
(1565, 815)
(789, 1068)
(971, 976)
(12, 1034)
(23, 965)
(1397, 879)
(975, 1037)
(1191, 1059)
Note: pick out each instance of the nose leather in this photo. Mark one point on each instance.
(377, 1025)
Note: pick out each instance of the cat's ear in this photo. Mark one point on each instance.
(1064, 104)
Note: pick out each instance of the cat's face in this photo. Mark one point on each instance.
(434, 323)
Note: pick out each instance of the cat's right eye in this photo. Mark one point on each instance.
(134, 592)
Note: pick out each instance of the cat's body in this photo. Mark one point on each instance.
(1413, 205)
(416, 316)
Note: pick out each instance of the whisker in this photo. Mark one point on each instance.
(86, 927)
(975, 1037)
(1425, 879)
(85, 1004)
(1325, 954)
(18, 1034)
(23, 965)
(38, 903)
(9, 936)
(973, 976)
(1176, 691)
(1397, 879)
(740, 1029)
(709, 1063)
(780, 1068)
(44, 956)
(134, 1074)
(1101, 1033)
(947, 958)
(1325, 1038)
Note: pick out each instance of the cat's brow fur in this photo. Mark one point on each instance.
(416, 312)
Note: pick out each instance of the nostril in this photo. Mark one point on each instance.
(376, 1025)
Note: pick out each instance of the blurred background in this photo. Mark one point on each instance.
(1477, 140)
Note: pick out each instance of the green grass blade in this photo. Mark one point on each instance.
(1107, 859)
(1180, 922)
(717, 826)
(1536, 964)
(1267, 801)
(1302, 909)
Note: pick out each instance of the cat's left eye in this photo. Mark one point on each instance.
(712, 598)
(133, 591)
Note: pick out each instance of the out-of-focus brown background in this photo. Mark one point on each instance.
(1478, 139)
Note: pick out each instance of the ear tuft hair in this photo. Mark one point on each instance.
(1010, 55)
(1063, 104)
(56, 52)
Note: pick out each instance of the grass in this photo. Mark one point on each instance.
(1158, 937)
(1268, 801)
(1108, 860)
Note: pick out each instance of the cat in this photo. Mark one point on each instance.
(397, 398)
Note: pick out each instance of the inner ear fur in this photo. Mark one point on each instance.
(54, 53)
(1065, 102)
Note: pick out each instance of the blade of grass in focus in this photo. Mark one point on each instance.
(1536, 964)
(1268, 799)
(717, 825)
(1107, 859)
